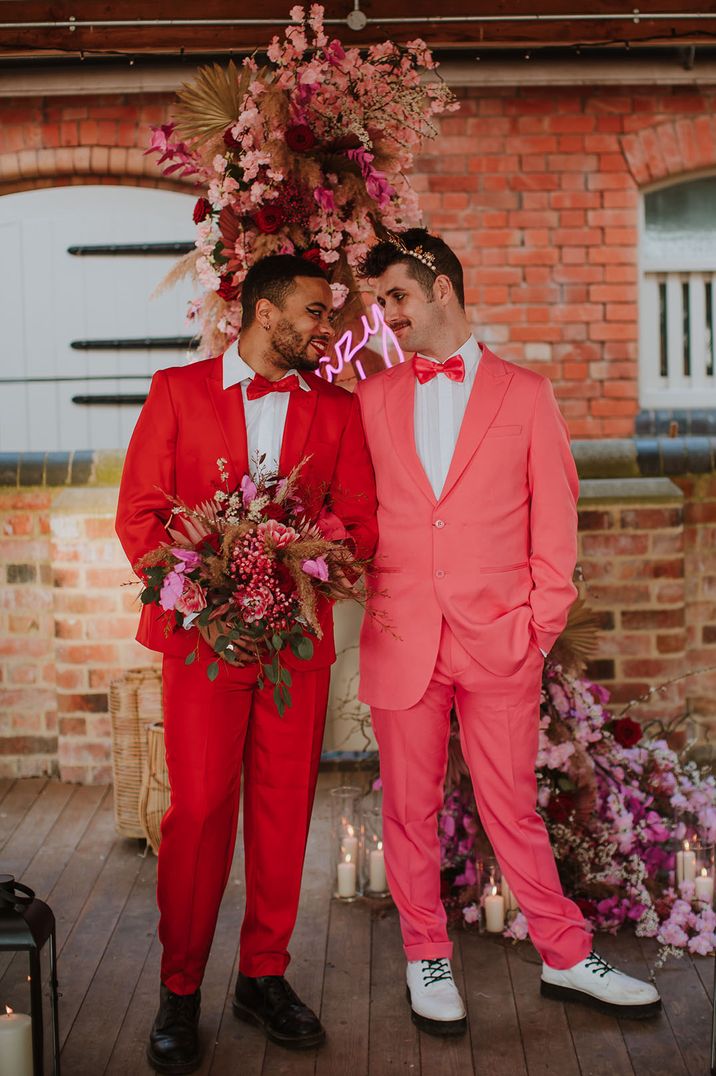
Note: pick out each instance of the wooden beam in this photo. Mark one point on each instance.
(37, 27)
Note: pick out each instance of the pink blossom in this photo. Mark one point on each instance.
(254, 602)
(471, 913)
(277, 533)
(189, 557)
(703, 944)
(517, 929)
(325, 198)
(317, 568)
(447, 825)
(192, 599)
(171, 591)
(672, 934)
(469, 875)
(248, 490)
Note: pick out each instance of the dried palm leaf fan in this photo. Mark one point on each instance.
(578, 641)
(212, 102)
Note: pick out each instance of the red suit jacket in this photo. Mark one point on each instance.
(494, 554)
(188, 422)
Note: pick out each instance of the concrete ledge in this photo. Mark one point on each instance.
(594, 491)
(638, 457)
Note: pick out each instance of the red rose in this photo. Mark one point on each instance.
(230, 141)
(560, 807)
(300, 138)
(627, 732)
(275, 511)
(227, 290)
(268, 219)
(202, 209)
(588, 908)
(314, 255)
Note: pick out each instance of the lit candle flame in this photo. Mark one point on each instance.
(348, 859)
(494, 890)
(380, 846)
(8, 1010)
(686, 846)
(704, 872)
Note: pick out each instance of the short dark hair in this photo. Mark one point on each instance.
(273, 278)
(385, 253)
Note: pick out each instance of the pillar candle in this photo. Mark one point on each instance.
(494, 912)
(376, 870)
(15, 1044)
(685, 865)
(704, 887)
(349, 847)
(347, 878)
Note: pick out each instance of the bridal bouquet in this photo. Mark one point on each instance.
(251, 565)
(303, 154)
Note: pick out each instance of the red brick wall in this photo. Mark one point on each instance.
(537, 190)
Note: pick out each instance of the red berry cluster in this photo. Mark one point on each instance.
(258, 594)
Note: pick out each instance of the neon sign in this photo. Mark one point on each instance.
(344, 349)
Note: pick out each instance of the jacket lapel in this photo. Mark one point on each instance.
(491, 381)
(229, 409)
(400, 412)
(300, 419)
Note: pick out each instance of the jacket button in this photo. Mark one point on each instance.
(439, 573)
(439, 522)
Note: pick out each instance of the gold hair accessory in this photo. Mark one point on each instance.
(425, 256)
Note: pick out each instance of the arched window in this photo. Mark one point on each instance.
(678, 296)
(81, 334)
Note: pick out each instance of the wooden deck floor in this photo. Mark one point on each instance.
(347, 964)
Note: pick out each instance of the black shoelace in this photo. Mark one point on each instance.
(596, 965)
(436, 971)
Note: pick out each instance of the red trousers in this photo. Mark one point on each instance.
(212, 730)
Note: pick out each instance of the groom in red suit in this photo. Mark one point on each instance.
(477, 545)
(263, 400)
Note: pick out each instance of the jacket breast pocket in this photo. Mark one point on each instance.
(504, 431)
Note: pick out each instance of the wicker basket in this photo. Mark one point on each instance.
(135, 701)
(154, 797)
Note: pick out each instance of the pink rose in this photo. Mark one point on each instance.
(192, 599)
(277, 533)
(324, 198)
(471, 913)
(171, 591)
(189, 558)
(317, 568)
(254, 603)
(248, 490)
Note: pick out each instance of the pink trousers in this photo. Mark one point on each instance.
(499, 722)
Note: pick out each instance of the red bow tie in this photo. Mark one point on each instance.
(426, 369)
(261, 386)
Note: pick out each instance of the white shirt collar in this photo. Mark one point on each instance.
(235, 371)
(470, 351)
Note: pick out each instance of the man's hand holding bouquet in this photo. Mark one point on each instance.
(248, 569)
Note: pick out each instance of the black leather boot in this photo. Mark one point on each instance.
(174, 1038)
(269, 1002)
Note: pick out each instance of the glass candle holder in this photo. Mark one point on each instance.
(375, 883)
(704, 873)
(494, 904)
(345, 860)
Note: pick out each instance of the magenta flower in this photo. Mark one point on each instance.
(248, 490)
(189, 558)
(325, 199)
(317, 568)
(172, 589)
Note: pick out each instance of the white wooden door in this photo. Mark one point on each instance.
(50, 298)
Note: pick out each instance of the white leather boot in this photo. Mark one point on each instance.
(436, 1005)
(598, 984)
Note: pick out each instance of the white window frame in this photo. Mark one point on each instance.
(676, 389)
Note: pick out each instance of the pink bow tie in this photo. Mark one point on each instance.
(261, 386)
(426, 369)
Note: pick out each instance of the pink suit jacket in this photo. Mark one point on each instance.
(494, 554)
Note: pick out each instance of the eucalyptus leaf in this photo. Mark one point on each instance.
(190, 658)
(213, 670)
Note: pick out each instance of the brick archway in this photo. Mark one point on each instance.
(670, 149)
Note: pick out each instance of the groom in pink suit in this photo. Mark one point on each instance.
(477, 519)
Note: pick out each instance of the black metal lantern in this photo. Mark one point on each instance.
(27, 925)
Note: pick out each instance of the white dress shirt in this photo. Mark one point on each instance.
(439, 410)
(265, 417)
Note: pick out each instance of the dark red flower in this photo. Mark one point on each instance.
(300, 138)
(227, 290)
(269, 219)
(276, 511)
(588, 908)
(230, 141)
(202, 209)
(627, 732)
(561, 806)
(314, 255)
(284, 578)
